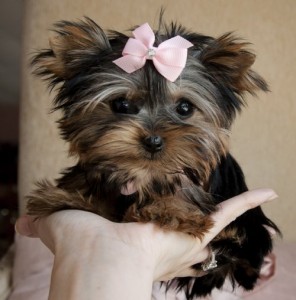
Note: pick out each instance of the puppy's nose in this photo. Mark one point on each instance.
(153, 143)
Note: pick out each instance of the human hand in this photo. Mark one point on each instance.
(107, 254)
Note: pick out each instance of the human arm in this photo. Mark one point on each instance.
(98, 259)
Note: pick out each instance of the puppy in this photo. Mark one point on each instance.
(148, 118)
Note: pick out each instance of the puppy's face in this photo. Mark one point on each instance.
(139, 139)
(140, 127)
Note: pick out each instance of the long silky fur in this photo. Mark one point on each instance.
(178, 187)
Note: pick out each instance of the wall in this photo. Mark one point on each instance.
(10, 56)
(263, 138)
(9, 123)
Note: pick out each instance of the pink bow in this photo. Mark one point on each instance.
(169, 58)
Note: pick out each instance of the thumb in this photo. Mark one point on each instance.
(232, 208)
(36, 228)
(27, 226)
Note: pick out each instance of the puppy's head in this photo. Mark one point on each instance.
(141, 127)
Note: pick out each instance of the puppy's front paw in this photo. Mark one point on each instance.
(171, 217)
(48, 198)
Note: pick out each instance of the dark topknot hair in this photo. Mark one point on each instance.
(81, 49)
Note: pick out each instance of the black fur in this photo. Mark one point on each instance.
(227, 181)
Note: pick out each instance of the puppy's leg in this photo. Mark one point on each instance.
(172, 214)
(48, 198)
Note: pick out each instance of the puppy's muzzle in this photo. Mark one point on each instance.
(153, 143)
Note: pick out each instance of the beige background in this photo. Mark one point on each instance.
(263, 139)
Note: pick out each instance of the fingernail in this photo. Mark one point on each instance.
(15, 228)
(22, 226)
(272, 197)
(271, 231)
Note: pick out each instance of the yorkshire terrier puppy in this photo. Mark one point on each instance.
(148, 118)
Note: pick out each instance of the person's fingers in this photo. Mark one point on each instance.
(189, 272)
(186, 270)
(178, 261)
(232, 208)
(25, 225)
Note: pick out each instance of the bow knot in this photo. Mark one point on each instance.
(169, 58)
(151, 53)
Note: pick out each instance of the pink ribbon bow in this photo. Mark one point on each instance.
(169, 58)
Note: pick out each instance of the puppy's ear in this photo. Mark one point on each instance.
(75, 47)
(229, 61)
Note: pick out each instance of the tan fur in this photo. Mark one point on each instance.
(231, 57)
(172, 213)
(47, 198)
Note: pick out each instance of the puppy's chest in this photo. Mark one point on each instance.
(164, 199)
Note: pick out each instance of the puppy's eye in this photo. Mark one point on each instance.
(124, 106)
(184, 108)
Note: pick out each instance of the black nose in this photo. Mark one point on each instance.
(153, 143)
